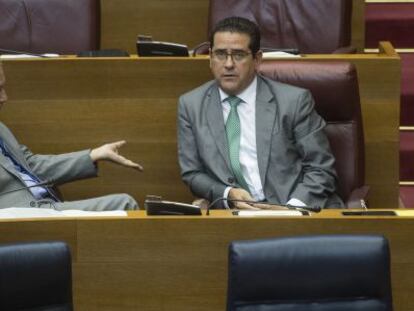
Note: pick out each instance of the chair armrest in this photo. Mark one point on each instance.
(345, 50)
(354, 199)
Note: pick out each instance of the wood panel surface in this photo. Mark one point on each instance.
(180, 263)
(358, 25)
(66, 104)
(181, 21)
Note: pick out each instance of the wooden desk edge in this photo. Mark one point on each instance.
(385, 49)
(214, 214)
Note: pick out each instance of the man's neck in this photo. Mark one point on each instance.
(250, 88)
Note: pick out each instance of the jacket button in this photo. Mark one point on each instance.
(230, 180)
(32, 203)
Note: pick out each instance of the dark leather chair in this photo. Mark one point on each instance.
(50, 26)
(334, 86)
(312, 273)
(35, 277)
(311, 26)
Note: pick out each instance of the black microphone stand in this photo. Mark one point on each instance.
(46, 184)
(314, 209)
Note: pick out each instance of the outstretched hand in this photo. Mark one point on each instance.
(109, 152)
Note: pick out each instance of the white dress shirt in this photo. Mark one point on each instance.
(248, 149)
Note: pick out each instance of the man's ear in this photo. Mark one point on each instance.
(258, 58)
(210, 54)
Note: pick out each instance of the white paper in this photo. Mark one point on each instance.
(404, 212)
(23, 56)
(27, 212)
(270, 213)
(279, 54)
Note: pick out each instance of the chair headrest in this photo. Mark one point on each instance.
(334, 85)
(312, 26)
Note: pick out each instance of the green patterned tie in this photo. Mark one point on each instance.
(233, 139)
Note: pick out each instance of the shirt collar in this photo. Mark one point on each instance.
(246, 95)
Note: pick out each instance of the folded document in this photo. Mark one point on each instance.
(23, 56)
(27, 212)
(250, 213)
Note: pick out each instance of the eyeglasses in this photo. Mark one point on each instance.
(236, 56)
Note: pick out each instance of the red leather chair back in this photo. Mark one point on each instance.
(334, 86)
(312, 26)
(50, 26)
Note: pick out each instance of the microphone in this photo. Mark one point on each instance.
(46, 184)
(314, 209)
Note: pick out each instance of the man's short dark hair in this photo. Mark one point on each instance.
(239, 25)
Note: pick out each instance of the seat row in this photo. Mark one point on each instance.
(69, 27)
(326, 272)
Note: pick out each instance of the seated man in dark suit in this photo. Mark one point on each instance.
(245, 137)
(21, 171)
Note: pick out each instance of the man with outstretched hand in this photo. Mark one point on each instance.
(26, 178)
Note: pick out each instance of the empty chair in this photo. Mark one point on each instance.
(334, 86)
(312, 273)
(311, 26)
(35, 277)
(49, 26)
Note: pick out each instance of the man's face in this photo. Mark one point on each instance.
(3, 96)
(232, 62)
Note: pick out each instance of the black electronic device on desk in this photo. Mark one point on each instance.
(154, 205)
(369, 213)
(147, 47)
(103, 53)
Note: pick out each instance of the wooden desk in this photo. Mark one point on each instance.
(180, 263)
(65, 104)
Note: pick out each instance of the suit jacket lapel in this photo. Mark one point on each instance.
(266, 125)
(215, 121)
(15, 152)
(4, 162)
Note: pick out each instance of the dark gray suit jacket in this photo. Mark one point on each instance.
(293, 152)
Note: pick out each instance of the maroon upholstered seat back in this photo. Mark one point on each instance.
(50, 26)
(334, 86)
(312, 26)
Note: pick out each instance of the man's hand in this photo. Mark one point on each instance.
(109, 152)
(273, 207)
(241, 194)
